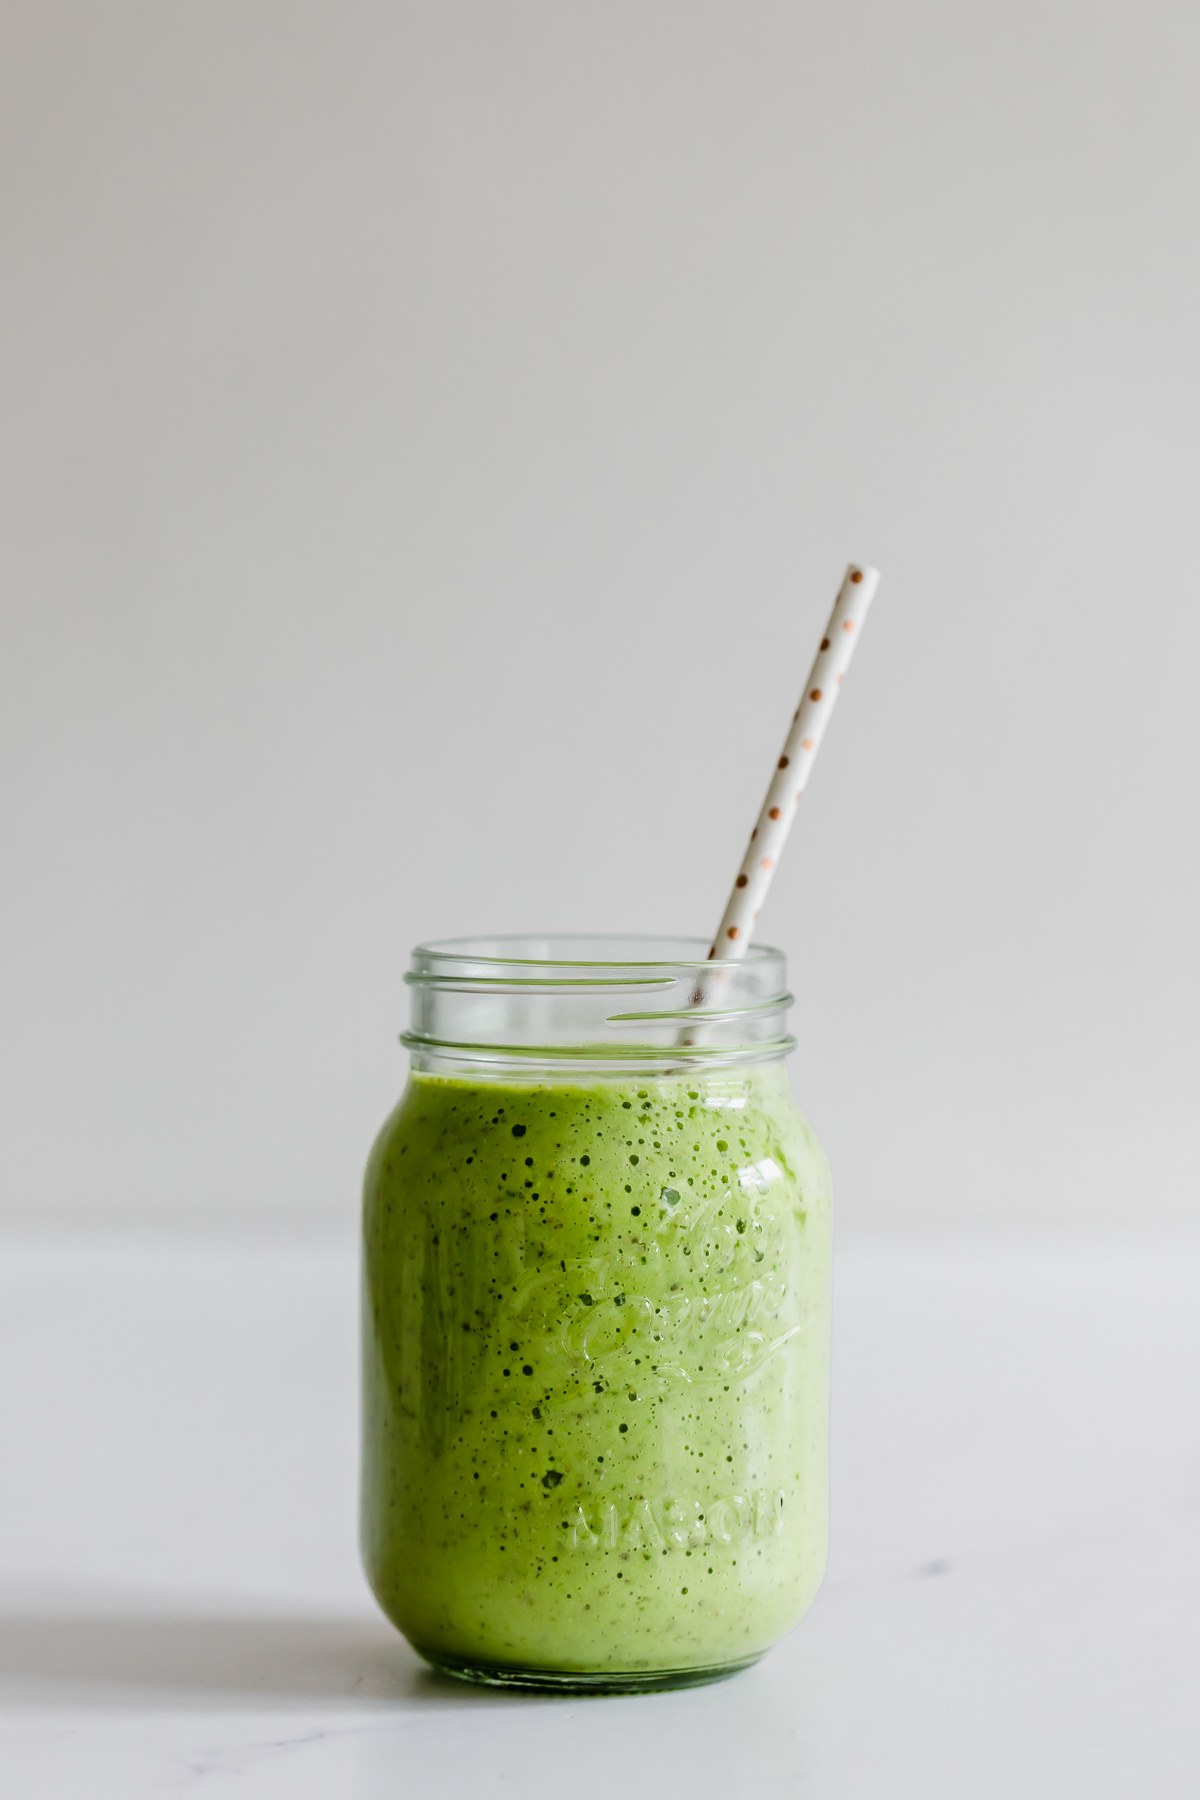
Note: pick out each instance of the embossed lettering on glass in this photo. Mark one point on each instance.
(596, 1317)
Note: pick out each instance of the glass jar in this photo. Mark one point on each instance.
(596, 1317)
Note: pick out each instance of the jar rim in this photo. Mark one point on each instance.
(601, 1001)
(557, 947)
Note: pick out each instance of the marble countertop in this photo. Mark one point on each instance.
(1012, 1605)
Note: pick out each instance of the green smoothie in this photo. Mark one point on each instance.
(596, 1370)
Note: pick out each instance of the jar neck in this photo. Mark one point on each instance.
(566, 1008)
(547, 1066)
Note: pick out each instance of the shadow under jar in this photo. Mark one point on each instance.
(596, 1318)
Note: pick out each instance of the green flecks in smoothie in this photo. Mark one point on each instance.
(515, 1313)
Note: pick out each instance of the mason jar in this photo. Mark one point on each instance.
(596, 1317)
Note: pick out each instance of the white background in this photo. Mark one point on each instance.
(434, 434)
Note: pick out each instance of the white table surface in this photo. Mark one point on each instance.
(1012, 1606)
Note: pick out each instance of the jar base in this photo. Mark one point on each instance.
(577, 1681)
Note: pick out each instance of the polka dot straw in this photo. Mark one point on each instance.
(795, 764)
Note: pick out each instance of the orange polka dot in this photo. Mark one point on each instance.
(807, 743)
(741, 881)
(766, 863)
(775, 813)
(816, 694)
(857, 575)
(733, 932)
(799, 791)
(839, 681)
(847, 624)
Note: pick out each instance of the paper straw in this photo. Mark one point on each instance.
(795, 763)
